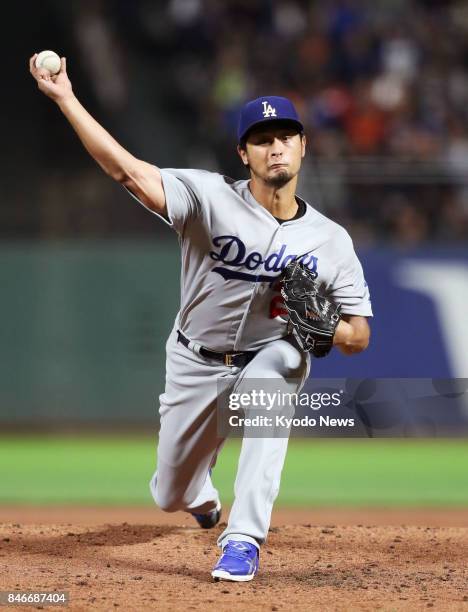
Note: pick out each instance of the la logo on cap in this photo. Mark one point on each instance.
(268, 110)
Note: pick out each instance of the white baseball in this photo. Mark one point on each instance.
(48, 60)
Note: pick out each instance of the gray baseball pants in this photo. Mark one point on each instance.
(189, 441)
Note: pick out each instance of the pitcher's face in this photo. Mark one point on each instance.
(274, 153)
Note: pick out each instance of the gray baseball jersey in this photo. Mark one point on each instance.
(233, 251)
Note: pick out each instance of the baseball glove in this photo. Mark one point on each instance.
(314, 318)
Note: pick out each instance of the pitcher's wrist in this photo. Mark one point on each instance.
(65, 100)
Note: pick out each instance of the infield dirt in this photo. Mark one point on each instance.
(165, 562)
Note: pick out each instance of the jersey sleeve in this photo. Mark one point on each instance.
(184, 195)
(184, 192)
(349, 286)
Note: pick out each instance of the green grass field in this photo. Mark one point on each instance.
(115, 470)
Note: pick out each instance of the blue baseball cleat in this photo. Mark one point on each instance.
(210, 519)
(238, 563)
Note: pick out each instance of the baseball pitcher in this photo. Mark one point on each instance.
(266, 282)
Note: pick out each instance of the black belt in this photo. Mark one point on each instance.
(238, 360)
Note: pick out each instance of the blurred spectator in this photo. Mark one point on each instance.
(382, 86)
(104, 63)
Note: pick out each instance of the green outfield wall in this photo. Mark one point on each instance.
(84, 327)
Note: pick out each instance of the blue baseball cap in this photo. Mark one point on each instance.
(264, 110)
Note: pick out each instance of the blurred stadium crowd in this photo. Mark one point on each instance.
(382, 86)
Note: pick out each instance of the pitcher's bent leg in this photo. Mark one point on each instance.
(188, 439)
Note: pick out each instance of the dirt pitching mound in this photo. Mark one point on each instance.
(136, 566)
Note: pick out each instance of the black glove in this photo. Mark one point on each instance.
(313, 317)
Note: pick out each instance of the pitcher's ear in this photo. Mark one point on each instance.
(242, 153)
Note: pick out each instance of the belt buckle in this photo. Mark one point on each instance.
(229, 358)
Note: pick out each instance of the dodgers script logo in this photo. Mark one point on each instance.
(268, 110)
(233, 252)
